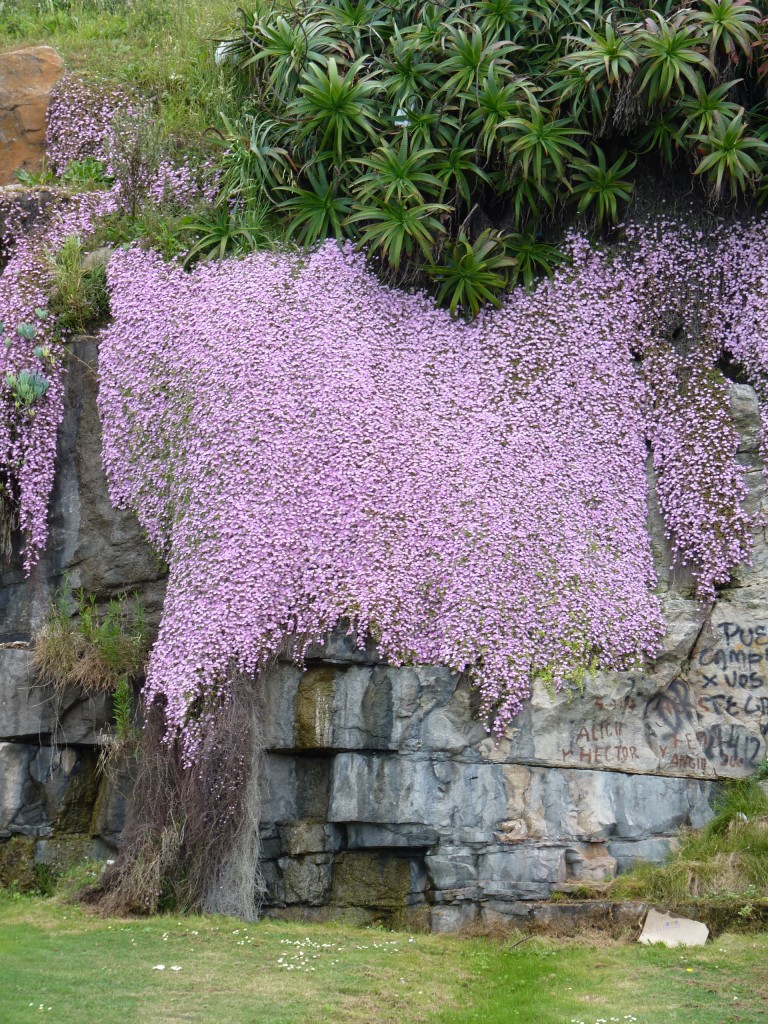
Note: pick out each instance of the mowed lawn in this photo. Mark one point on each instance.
(62, 964)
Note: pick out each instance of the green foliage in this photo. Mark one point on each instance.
(669, 58)
(27, 331)
(85, 175)
(253, 164)
(473, 273)
(599, 188)
(544, 144)
(730, 154)
(336, 108)
(410, 130)
(732, 27)
(80, 175)
(738, 800)
(92, 647)
(399, 228)
(533, 257)
(27, 387)
(122, 710)
(229, 233)
(155, 227)
(319, 211)
(34, 179)
(79, 295)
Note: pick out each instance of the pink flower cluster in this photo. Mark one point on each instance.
(28, 437)
(175, 184)
(745, 254)
(683, 329)
(84, 120)
(80, 118)
(81, 123)
(305, 444)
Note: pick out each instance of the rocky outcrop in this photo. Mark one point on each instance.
(385, 772)
(384, 799)
(27, 78)
(54, 803)
(374, 768)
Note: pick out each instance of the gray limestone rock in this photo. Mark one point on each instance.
(404, 835)
(22, 809)
(306, 880)
(302, 837)
(29, 710)
(647, 851)
(25, 708)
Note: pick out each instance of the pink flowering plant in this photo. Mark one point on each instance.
(86, 123)
(685, 327)
(304, 444)
(472, 495)
(31, 371)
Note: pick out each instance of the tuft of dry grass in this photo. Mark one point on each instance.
(191, 841)
(93, 649)
(727, 861)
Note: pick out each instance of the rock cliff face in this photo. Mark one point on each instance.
(54, 807)
(383, 798)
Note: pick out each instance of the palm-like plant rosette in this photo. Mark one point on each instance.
(411, 128)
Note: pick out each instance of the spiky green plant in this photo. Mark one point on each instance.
(319, 211)
(598, 188)
(435, 120)
(473, 273)
(731, 155)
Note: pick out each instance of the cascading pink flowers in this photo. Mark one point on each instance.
(305, 444)
(81, 123)
(686, 323)
(28, 440)
(745, 254)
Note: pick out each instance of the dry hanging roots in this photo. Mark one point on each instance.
(191, 841)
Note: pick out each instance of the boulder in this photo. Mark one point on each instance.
(27, 78)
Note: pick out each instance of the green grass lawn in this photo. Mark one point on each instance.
(60, 963)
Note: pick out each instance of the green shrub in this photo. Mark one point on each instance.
(79, 296)
(412, 128)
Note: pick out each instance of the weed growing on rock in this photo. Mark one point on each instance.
(79, 286)
(724, 863)
(93, 648)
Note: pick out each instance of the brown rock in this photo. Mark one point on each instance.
(26, 79)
